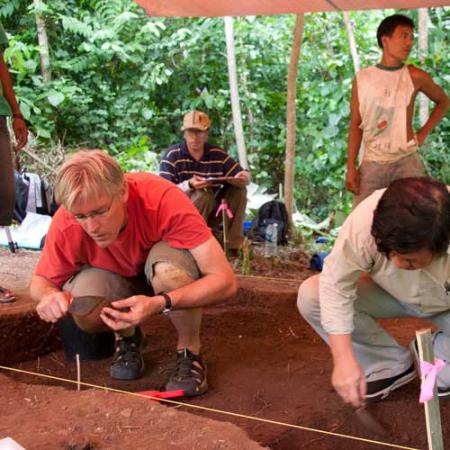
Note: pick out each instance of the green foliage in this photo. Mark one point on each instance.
(138, 158)
(122, 81)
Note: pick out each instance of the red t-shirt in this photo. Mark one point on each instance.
(157, 211)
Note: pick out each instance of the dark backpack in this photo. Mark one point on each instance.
(20, 209)
(270, 212)
(22, 181)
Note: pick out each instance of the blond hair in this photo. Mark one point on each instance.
(88, 174)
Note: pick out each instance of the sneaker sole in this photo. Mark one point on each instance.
(381, 395)
(444, 395)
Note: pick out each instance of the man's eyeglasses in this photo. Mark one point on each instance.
(96, 214)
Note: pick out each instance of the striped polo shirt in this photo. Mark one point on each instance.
(178, 165)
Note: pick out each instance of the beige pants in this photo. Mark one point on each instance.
(91, 281)
(380, 355)
(375, 176)
(207, 202)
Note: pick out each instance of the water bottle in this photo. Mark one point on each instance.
(271, 240)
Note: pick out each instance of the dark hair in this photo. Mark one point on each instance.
(390, 23)
(413, 214)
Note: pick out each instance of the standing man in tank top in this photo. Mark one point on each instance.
(381, 113)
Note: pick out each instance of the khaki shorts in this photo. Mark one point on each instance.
(108, 286)
(375, 176)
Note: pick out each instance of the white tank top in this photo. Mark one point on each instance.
(384, 96)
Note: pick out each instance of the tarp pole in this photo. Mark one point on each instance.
(291, 117)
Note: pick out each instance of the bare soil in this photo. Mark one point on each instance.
(264, 362)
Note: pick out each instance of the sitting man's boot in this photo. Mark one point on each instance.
(128, 363)
(189, 374)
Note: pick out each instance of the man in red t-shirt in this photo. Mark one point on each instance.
(122, 248)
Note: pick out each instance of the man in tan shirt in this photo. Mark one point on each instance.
(391, 259)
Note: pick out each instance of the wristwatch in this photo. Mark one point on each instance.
(168, 303)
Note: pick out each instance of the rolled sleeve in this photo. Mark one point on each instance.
(184, 186)
(352, 255)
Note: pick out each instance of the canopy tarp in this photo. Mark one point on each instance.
(211, 8)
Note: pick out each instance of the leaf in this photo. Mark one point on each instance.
(55, 98)
(209, 101)
(147, 113)
(42, 132)
(75, 26)
(25, 110)
(30, 65)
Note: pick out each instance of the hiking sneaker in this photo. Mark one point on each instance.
(189, 374)
(127, 363)
(443, 393)
(380, 389)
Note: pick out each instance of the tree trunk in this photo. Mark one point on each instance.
(43, 41)
(246, 91)
(291, 118)
(423, 50)
(351, 40)
(234, 93)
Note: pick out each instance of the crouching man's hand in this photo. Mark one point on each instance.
(131, 311)
(53, 306)
(350, 382)
(348, 376)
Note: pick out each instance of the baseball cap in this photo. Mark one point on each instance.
(196, 120)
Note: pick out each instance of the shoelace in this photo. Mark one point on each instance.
(126, 351)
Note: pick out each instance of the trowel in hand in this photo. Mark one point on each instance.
(83, 305)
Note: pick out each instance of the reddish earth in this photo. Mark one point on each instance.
(264, 362)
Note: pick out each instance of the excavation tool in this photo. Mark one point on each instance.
(370, 423)
(163, 394)
(83, 305)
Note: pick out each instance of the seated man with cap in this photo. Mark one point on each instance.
(193, 165)
(123, 248)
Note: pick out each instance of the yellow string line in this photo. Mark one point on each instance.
(204, 408)
(288, 280)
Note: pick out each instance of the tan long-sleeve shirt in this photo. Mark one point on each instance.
(355, 252)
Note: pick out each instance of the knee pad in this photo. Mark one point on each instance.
(167, 277)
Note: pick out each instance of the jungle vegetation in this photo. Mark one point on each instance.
(120, 80)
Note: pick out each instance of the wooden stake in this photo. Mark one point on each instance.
(246, 257)
(77, 357)
(225, 226)
(432, 412)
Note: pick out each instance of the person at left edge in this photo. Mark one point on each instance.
(135, 239)
(8, 107)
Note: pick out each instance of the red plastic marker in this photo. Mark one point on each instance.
(163, 394)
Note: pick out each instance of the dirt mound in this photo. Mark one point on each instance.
(264, 361)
